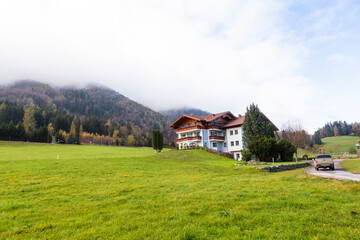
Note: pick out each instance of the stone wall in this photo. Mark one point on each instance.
(279, 168)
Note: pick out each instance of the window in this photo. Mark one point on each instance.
(232, 143)
(182, 126)
(237, 143)
(237, 156)
(236, 132)
(231, 132)
(224, 144)
(214, 145)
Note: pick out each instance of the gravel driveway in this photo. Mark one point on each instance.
(339, 173)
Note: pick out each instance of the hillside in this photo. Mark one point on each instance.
(174, 114)
(91, 102)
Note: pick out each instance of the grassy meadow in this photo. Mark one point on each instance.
(351, 165)
(94, 192)
(336, 146)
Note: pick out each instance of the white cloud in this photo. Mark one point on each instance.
(213, 55)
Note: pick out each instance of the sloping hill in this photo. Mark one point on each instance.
(93, 101)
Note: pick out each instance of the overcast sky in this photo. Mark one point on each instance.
(298, 60)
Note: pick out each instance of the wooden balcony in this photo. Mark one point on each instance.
(187, 129)
(217, 138)
(196, 139)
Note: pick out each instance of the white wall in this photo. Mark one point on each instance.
(233, 138)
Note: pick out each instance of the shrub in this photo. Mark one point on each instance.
(352, 150)
(286, 150)
(246, 155)
(265, 149)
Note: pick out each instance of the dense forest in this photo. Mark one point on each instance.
(34, 111)
(339, 128)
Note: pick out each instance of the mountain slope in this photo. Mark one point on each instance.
(102, 103)
(174, 114)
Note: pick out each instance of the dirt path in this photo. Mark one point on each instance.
(339, 173)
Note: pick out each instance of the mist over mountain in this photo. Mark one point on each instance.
(104, 104)
(174, 114)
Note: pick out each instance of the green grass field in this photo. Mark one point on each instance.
(94, 192)
(351, 165)
(336, 146)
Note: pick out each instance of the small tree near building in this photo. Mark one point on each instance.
(265, 149)
(254, 125)
(157, 140)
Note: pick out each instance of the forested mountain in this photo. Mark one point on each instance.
(174, 114)
(99, 110)
(339, 128)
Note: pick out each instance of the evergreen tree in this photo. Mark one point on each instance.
(286, 150)
(254, 125)
(157, 140)
(264, 149)
(270, 131)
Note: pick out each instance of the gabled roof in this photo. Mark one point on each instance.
(213, 117)
(185, 116)
(208, 118)
(236, 122)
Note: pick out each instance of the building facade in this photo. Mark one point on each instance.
(221, 131)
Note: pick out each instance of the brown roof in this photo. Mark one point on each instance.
(211, 117)
(236, 122)
(207, 118)
(185, 115)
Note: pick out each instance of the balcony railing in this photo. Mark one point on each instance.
(217, 138)
(196, 138)
(188, 128)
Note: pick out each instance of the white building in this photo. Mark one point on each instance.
(221, 131)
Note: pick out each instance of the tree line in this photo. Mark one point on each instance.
(339, 128)
(26, 123)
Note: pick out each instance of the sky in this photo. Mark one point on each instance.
(298, 60)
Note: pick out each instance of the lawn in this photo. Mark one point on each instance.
(351, 165)
(93, 192)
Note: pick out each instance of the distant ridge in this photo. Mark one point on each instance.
(174, 114)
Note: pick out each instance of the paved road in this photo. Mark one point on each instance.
(339, 173)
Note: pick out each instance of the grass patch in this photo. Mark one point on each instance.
(134, 193)
(336, 146)
(351, 165)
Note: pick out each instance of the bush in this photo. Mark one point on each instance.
(286, 150)
(352, 150)
(246, 155)
(265, 149)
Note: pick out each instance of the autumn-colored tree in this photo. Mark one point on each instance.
(29, 119)
(50, 129)
(131, 140)
(336, 131)
(116, 137)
